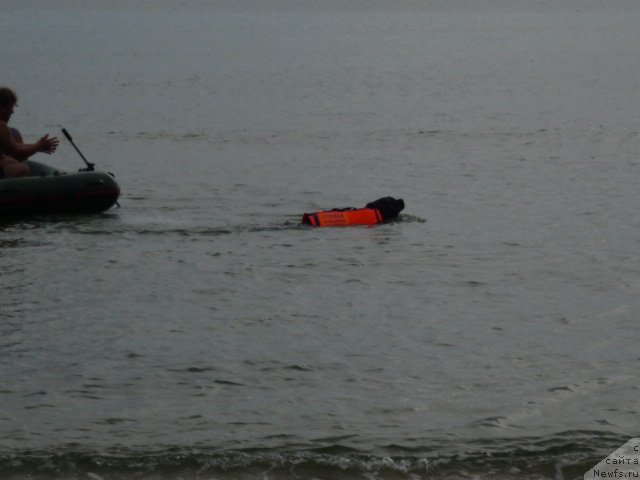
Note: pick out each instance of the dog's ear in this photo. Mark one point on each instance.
(377, 203)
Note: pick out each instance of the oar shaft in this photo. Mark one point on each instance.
(66, 134)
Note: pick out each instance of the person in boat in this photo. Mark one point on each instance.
(13, 152)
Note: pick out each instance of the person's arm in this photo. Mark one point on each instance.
(22, 151)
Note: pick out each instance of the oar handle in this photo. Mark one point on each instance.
(66, 134)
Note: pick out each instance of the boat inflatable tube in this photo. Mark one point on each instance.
(383, 209)
(49, 190)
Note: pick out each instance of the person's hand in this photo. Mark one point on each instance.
(47, 145)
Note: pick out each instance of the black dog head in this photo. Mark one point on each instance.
(389, 207)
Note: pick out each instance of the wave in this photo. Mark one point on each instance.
(564, 456)
(112, 225)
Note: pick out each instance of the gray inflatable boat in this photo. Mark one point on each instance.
(50, 190)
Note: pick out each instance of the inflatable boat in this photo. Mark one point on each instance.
(50, 190)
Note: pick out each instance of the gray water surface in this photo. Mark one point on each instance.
(200, 332)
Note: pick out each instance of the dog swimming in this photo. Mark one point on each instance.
(378, 211)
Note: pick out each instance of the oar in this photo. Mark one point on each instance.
(90, 166)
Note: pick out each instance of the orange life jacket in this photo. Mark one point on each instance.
(343, 218)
